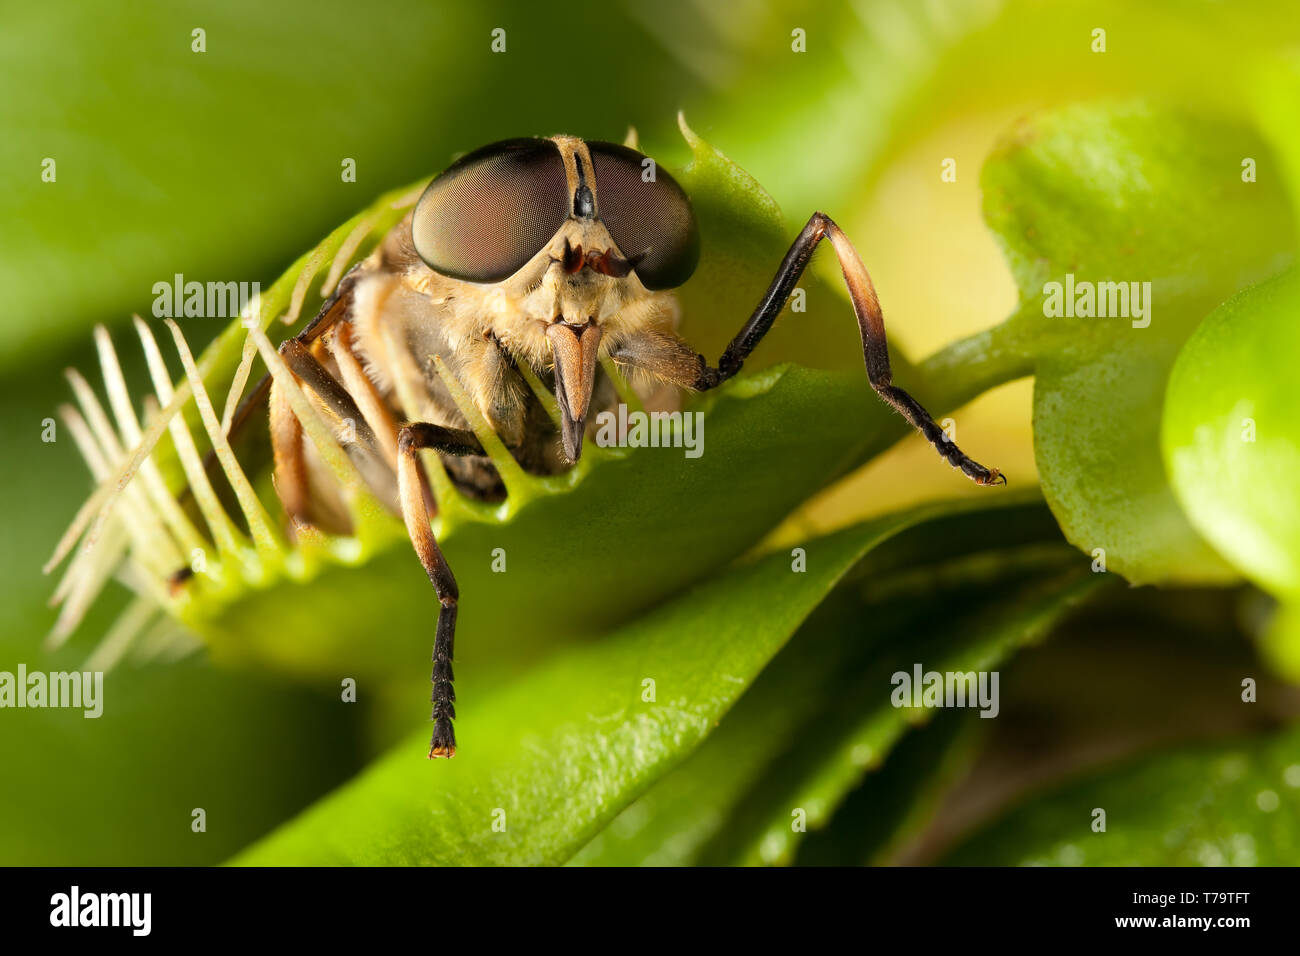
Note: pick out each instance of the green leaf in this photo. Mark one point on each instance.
(1234, 804)
(893, 805)
(829, 757)
(808, 708)
(1232, 445)
(1126, 194)
(556, 755)
(1231, 438)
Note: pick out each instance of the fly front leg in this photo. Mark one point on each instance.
(871, 327)
(291, 484)
(330, 314)
(350, 424)
(411, 494)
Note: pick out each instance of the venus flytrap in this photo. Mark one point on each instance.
(239, 600)
(302, 617)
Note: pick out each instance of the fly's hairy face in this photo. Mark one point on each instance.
(565, 246)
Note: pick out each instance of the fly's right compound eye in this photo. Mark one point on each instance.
(492, 210)
(650, 218)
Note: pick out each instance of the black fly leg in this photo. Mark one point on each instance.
(871, 326)
(415, 513)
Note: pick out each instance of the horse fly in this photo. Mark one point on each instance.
(542, 256)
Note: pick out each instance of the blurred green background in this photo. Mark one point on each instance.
(225, 164)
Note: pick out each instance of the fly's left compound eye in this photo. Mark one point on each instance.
(492, 210)
(650, 219)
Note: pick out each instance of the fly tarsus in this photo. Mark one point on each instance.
(443, 743)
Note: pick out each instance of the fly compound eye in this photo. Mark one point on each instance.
(492, 210)
(650, 219)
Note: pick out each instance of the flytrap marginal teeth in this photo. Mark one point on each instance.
(225, 534)
(138, 529)
(346, 251)
(266, 539)
(238, 383)
(173, 516)
(132, 526)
